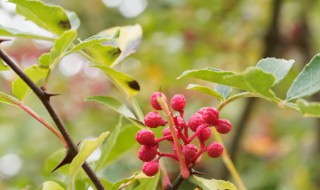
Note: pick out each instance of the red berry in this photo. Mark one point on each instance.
(215, 150)
(204, 134)
(167, 132)
(223, 126)
(195, 121)
(210, 115)
(189, 151)
(178, 102)
(146, 137)
(154, 100)
(150, 168)
(179, 122)
(154, 120)
(147, 153)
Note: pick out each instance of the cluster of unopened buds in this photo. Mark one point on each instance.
(199, 123)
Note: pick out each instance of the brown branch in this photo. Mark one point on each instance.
(43, 96)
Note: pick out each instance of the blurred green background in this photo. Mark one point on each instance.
(275, 148)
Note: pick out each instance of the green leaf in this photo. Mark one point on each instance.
(108, 146)
(3, 66)
(50, 17)
(58, 51)
(225, 91)
(309, 109)
(87, 149)
(212, 184)
(51, 185)
(91, 42)
(307, 82)
(113, 104)
(126, 181)
(20, 89)
(148, 183)
(252, 80)
(103, 54)
(53, 160)
(7, 99)
(121, 143)
(10, 32)
(129, 39)
(205, 90)
(278, 67)
(122, 80)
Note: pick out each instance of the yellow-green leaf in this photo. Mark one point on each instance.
(122, 80)
(309, 109)
(3, 66)
(211, 184)
(50, 17)
(126, 181)
(7, 99)
(87, 149)
(20, 89)
(129, 39)
(51, 185)
(58, 51)
(10, 32)
(205, 90)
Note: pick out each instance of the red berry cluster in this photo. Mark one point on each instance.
(200, 123)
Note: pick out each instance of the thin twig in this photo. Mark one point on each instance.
(45, 99)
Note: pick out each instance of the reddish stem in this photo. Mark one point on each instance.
(43, 122)
(173, 156)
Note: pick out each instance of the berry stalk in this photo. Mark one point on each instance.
(183, 167)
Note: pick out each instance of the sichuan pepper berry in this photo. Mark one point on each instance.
(154, 100)
(195, 121)
(147, 153)
(154, 120)
(223, 126)
(189, 151)
(178, 102)
(210, 115)
(150, 168)
(146, 137)
(204, 134)
(215, 150)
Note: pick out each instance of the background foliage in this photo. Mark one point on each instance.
(279, 148)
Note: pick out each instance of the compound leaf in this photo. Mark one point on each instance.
(252, 80)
